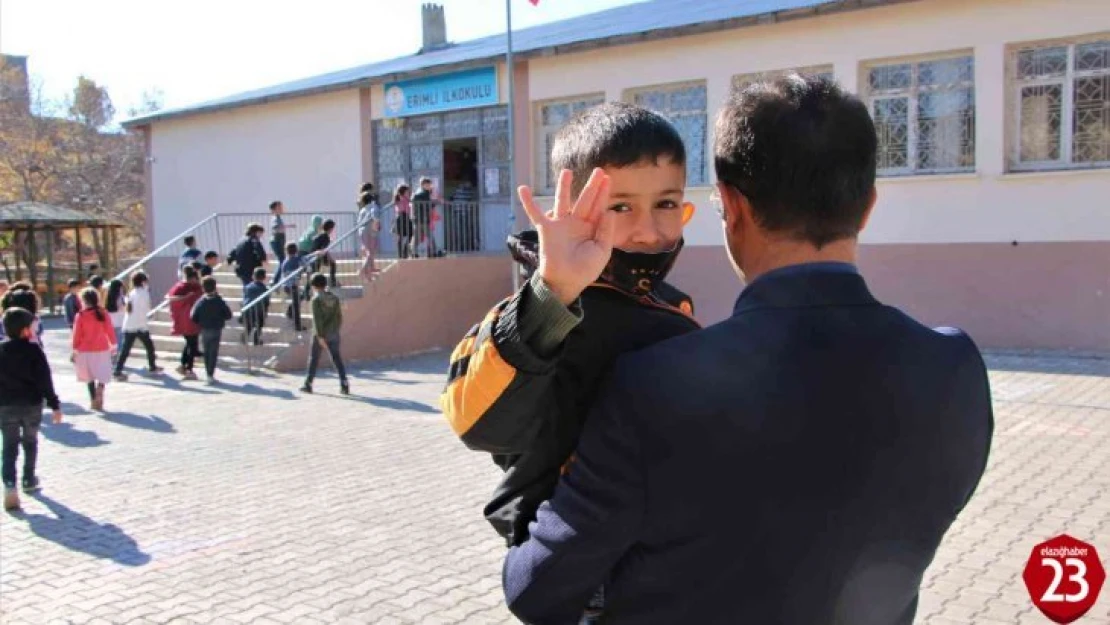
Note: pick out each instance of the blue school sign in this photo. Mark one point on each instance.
(446, 92)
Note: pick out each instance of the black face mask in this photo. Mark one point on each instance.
(638, 273)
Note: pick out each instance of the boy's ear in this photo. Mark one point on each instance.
(26, 333)
(687, 212)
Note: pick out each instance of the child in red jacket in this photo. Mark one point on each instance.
(182, 297)
(94, 342)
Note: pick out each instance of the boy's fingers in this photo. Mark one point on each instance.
(607, 229)
(584, 204)
(600, 204)
(530, 208)
(563, 202)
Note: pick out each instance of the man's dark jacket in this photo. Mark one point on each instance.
(798, 463)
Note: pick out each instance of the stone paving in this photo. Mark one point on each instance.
(248, 503)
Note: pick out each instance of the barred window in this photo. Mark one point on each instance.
(1060, 104)
(924, 114)
(684, 105)
(743, 81)
(550, 117)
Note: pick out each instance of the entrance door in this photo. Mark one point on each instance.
(461, 226)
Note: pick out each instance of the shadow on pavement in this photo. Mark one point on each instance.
(77, 532)
(254, 389)
(142, 422)
(391, 403)
(65, 434)
(175, 384)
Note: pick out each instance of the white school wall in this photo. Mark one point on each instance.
(305, 151)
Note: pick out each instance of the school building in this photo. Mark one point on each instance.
(993, 118)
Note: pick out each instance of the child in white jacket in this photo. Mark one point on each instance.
(135, 326)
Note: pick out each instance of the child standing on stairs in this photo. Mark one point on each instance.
(211, 314)
(93, 345)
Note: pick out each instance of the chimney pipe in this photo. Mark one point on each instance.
(434, 27)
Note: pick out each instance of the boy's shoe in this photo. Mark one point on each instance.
(189, 375)
(209, 381)
(344, 388)
(119, 377)
(31, 485)
(11, 497)
(181, 369)
(306, 388)
(155, 370)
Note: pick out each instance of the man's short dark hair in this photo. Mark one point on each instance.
(73, 283)
(319, 281)
(275, 204)
(425, 180)
(208, 284)
(211, 254)
(614, 134)
(189, 272)
(253, 229)
(259, 273)
(803, 152)
(16, 320)
(190, 241)
(291, 249)
(138, 279)
(328, 225)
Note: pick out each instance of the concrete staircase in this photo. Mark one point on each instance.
(278, 334)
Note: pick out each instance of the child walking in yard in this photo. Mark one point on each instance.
(25, 383)
(136, 308)
(21, 295)
(327, 320)
(72, 302)
(93, 344)
(114, 303)
(211, 314)
(182, 297)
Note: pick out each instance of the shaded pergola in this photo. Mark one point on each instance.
(33, 218)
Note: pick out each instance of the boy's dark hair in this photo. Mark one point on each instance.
(189, 272)
(190, 241)
(275, 204)
(614, 134)
(254, 228)
(96, 282)
(318, 281)
(16, 320)
(803, 152)
(367, 198)
(328, 225)
(425, 180)
(138, 279)
(259, 273)
(291, 249)
(21, 295)
(211, 254)
(73, 283)
(366, 188)
(208, 284)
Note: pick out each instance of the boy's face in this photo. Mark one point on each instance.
(212, 261)
(648, 199)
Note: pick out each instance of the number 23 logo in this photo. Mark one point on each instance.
(1079, 577)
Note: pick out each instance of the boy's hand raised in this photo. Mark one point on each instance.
(576, 239)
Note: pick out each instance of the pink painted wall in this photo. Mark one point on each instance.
(1032, 295)
(417, 305)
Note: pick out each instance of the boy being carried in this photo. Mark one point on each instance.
(522, 381)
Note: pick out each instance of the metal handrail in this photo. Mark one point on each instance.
(311, 258)
(145, 259)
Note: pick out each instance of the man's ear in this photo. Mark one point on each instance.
(871, 200)
(27, 333)
(737, 209)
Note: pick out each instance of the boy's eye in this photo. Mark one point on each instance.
(667, 204)
(620, 208)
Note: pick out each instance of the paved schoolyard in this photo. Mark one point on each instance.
(248, 503)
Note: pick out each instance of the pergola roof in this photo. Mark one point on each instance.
(49, 217)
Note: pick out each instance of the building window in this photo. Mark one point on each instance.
(743, 81)
(1061, 105)
(924, 114)
(550, 117)
(684, 106)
